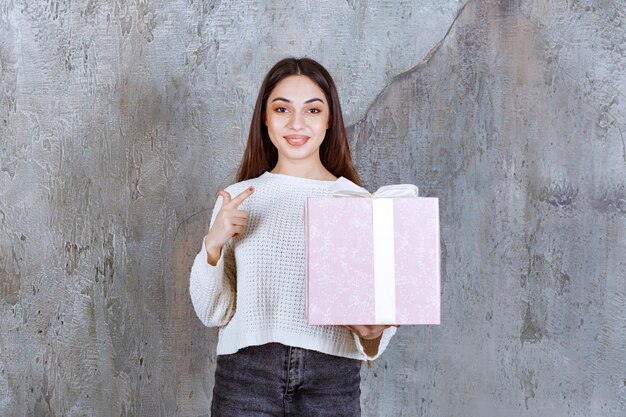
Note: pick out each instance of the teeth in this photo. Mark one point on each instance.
(296, 141)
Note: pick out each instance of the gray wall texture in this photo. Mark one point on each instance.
(119, 120)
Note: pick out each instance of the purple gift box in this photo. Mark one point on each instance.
(372, 258)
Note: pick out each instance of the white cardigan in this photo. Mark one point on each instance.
(255, 293)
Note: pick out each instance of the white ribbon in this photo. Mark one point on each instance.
(384, 252)
(343, 187)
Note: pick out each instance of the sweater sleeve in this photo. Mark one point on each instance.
(213, 289)
(382, 345)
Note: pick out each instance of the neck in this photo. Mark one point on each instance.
(315, 171)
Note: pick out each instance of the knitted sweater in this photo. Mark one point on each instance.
(255, 293)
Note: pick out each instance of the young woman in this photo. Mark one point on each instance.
(249, 277)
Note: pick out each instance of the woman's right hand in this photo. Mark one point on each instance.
(229, 222)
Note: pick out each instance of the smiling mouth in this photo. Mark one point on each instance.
(296, 140)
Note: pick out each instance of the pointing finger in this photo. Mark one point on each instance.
(242, 196)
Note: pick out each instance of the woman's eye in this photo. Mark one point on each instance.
(280, 109)
(315, 111)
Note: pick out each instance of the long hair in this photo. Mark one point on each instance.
(261, 155)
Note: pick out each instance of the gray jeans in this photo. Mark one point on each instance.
(278, 380)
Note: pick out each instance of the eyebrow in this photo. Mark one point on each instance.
(306, 102)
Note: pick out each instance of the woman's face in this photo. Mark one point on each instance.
(297, 116)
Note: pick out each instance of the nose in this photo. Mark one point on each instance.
(296, 121)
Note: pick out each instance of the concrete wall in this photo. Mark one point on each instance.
(119, 120)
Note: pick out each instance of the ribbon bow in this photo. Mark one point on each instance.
(343, 187)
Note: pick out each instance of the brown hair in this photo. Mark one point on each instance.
(261, 155)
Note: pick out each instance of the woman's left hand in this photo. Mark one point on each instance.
(369, 332)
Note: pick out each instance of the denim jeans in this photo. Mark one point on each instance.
(278, 380)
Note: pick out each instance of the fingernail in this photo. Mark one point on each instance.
(251, 188)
